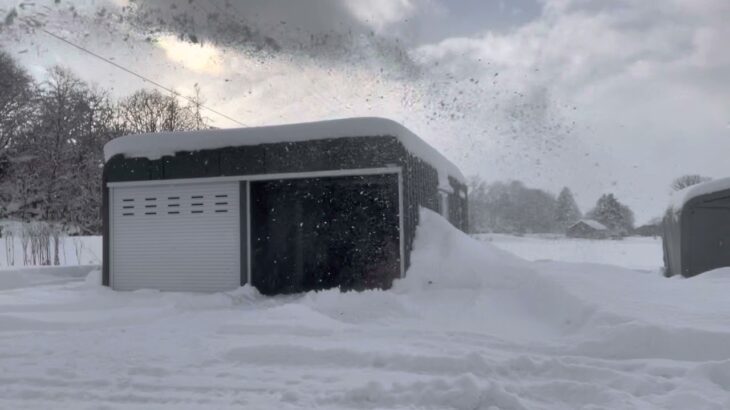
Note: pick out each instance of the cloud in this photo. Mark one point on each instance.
(381, 13)
(203, 58)
(649, 82)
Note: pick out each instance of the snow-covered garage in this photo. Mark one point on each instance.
(696, 235)
(286, 208)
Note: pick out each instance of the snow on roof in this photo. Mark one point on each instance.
(156, 145)
(593, 224)
(683, 196)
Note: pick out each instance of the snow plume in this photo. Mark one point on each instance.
(331, 31)
(275, 62)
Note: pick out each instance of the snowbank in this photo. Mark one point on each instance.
(42, 275)
(156, 145)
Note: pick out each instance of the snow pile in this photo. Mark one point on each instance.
(156, 145)
(445, 257)
(719, 274)
(466, 284)
(43, 275)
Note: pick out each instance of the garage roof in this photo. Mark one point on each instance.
(682, 197)
(156, 145)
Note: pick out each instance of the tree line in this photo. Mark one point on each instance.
(511, 207)
(52, 134)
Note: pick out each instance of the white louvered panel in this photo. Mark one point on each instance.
(176, 237)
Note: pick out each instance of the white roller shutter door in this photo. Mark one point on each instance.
(183, 237)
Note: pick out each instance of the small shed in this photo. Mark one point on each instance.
(588, 229)
(696, 227)
(286, 208)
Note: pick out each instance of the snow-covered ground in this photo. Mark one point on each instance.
(471, 327)
(639, 253)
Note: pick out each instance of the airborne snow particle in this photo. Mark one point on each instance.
(10, 18)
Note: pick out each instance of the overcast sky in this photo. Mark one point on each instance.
(602, 96)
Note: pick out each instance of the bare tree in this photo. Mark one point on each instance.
(149, 111)
(57, 166)
(688, 180)
(52, 136)
(16, 93)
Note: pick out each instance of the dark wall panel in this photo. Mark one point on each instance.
(322, 233)
(709, 241)
(285, 157)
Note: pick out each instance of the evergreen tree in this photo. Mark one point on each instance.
(612, 213)
(567, 211)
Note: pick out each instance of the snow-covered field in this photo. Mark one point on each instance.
(472, 327)
(639, 253)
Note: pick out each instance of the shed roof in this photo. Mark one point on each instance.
(156, 145)
(682, 197)
(593, 224)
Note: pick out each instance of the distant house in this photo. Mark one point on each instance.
(588, 229)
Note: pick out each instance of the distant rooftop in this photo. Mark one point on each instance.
(593, 224)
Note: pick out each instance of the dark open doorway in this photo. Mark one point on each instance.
(321, 233)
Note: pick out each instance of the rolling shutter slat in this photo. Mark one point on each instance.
(194, 248)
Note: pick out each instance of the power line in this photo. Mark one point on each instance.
(239, 21)
(140, 76)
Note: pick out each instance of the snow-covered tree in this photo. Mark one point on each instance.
(567, 211)
(612, 213)
(52, 137)
(16, 100)
(56, 166)
(16, 116)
